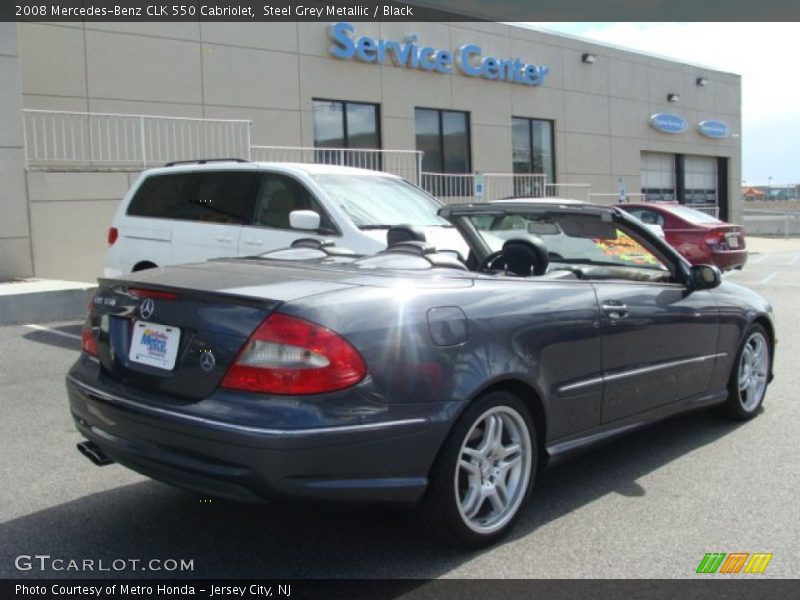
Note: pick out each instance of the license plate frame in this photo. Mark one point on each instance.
(733, 240)
(154, 345)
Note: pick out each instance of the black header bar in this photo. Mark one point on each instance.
(392, 10)
(744, 588)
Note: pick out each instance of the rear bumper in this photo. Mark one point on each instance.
(729, 259)
(377, 461)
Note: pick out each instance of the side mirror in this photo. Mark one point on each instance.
(704, 277)
(304, 219)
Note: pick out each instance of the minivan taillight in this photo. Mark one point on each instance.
(291, 356)
(113, 234)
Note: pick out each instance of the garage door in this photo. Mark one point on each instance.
(658, 176)
(700, 180)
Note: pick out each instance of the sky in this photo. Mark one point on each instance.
(762, 53)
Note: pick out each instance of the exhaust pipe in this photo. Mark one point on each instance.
(93, 452)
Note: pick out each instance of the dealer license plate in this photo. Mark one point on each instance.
(155, 345)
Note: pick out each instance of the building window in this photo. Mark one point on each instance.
(532, 147)
(443, 135)
(658, 176)
(700, 179)
(350, 125)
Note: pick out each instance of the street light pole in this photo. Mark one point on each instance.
(769, 187)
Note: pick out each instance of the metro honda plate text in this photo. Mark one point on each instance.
(211, 591)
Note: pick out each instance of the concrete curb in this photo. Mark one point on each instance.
(44, 306)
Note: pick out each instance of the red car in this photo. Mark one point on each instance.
(701, 238)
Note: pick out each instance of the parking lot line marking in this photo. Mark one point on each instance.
(71, 336)
(793, 262)
(759, 259)
(768, 278)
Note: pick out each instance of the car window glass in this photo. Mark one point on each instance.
(163, 196)
(216, 197)
(648, 217)
(625, 250)
(373, 201)
(572, 239)
(279, 196)
(693, 216)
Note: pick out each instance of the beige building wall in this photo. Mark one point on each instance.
(270, 72)
(15, 241)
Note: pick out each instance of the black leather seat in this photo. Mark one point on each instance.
(525, 256)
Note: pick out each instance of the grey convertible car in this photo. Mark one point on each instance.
(415, 375)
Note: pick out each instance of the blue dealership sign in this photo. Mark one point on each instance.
(714, 129)
(667, 123)
(467, 59)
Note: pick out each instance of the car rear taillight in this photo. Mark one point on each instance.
(716, 240)
(88, 343)
(291, 356)
(113, 234)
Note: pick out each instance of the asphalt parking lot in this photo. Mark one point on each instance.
(647, 505)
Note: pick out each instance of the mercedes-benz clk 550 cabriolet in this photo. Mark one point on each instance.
(415, 375)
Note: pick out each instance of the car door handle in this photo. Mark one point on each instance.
(254, 243)
(224, 239)
(614, 309)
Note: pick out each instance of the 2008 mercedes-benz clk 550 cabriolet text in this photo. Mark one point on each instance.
(414, 375)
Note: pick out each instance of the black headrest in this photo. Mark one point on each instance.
(525, 256)
(404, 233)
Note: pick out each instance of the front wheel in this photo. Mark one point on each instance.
(484, 472)
(750, 374)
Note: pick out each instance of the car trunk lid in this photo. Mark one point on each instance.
(726, 237)
(177, 331)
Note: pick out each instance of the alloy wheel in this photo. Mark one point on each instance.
(753, 371)
(493, 469)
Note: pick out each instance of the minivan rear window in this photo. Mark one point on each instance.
(215, 197)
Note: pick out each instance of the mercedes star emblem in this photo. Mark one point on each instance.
(207, 360)
(147, 308)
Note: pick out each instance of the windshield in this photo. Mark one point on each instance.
(692, 215)
(375, 202)
(568, 238)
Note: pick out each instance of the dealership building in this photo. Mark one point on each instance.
(466, 110)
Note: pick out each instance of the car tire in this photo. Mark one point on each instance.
(749, 377)
(484, 472)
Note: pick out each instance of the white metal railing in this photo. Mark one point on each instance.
(515, 185)
(405, 163)
(709, 209)
(80, 140)
(460, 187)
(573, 191)
(771, 222)
(449, 187)
(614, 198)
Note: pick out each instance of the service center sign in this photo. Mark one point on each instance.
(714, 129)
(667, 123)
(468, 59)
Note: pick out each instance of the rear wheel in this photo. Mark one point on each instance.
(483, 473)
(750, 374)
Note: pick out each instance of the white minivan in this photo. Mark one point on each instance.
(190, 212)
